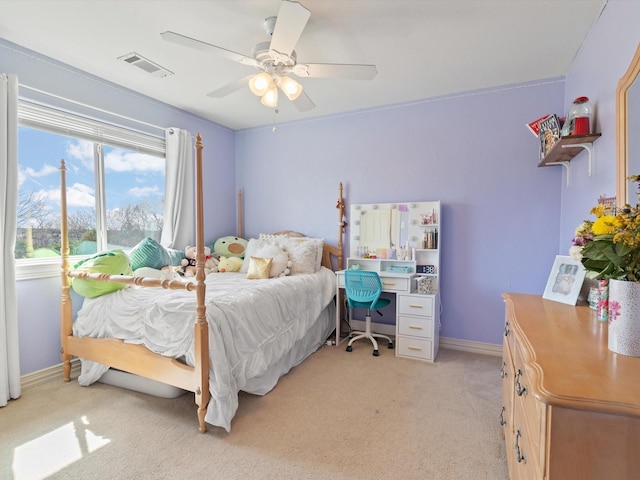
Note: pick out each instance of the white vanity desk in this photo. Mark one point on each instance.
(404, 229)
(417, 315)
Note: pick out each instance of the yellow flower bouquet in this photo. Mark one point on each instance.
(609, 246)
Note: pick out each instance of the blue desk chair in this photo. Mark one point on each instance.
(363, 289)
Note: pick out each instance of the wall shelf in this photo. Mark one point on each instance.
(568, 147)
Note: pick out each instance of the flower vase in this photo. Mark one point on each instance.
(624, 317)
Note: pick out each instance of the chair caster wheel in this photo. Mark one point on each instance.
(349, 348)
(376, 353)
(390, 346)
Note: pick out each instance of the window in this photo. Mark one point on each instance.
(115, 186)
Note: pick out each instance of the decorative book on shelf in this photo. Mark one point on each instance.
(549, 134)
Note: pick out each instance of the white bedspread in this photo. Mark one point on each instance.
(253, 325)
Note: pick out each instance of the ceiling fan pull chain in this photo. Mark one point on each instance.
(275, 112)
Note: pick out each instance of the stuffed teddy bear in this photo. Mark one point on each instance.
(230, 247)
(229, 264)
(189, 263)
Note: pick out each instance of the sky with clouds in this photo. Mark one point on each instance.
(130, 177)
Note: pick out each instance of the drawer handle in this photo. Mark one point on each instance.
(520, 390)
(503, 372)
(506, 329)
(415, 327)
(503, 422)
(415, 305)
(519, 456)
(414, 348)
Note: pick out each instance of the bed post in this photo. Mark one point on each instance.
(65, 298)
(201, 329)
(240, 232)
(341, 224)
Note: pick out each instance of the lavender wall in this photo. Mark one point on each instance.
(39, 330)
(500, 213)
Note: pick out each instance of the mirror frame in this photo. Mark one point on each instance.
(622, 144)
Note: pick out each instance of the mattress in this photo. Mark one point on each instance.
(258, 329)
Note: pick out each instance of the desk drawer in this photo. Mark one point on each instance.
(395, 284)
(415, 326)
(421, 305)
(414, 347)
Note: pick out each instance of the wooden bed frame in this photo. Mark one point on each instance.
(137, 359)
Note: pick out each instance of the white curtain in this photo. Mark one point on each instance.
(179, 230)
(9, 355)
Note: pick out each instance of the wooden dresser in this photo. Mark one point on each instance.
(571, 408)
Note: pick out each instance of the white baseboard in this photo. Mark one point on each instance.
(473, 347)
(448, 343)
(52, 373)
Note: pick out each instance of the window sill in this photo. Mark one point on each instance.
(43, 268)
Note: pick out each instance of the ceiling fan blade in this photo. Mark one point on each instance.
(208, 48)
(230, 88)
(335, 70)
(291, 20)
(303, 103)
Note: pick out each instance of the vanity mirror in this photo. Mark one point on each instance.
(628, 132)
(391, 226)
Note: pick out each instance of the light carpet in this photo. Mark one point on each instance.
(338, 415)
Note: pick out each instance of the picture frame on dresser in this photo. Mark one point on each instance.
(565, 280)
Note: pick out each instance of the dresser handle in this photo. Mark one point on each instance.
(388, 283)
(506, 329)
(415, 327)
(415, 305)
(503, 422)
(519, 456)
(414, 348)
(520, 390)
(503, 372)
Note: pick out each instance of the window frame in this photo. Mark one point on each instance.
(66, 123)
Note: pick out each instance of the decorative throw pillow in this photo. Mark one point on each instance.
(305, 253)
(280, 265)
(149, 253)
(253, 245)
(114, 262)
(259, 267)
(175, 256)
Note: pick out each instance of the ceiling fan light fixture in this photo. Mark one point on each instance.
(260, 83)
(270, 97)
(290, 87)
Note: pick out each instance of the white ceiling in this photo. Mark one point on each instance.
(421, 48)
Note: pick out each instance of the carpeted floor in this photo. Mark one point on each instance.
(337, 416)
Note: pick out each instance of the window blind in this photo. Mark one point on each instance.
(69, 124)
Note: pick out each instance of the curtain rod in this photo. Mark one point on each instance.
(92, 107)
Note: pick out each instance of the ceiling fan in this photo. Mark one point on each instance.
(277, 59)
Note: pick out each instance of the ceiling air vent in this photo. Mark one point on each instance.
(145, 64)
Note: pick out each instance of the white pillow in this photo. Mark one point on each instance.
(253, 245)
(280, 259)
(305, 253)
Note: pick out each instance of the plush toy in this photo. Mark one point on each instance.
(229, 264)
(230, 247)
(189, 263)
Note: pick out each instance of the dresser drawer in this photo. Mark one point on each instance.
(395, 284)
(422, 305)
(415, 326)
(414, 347)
